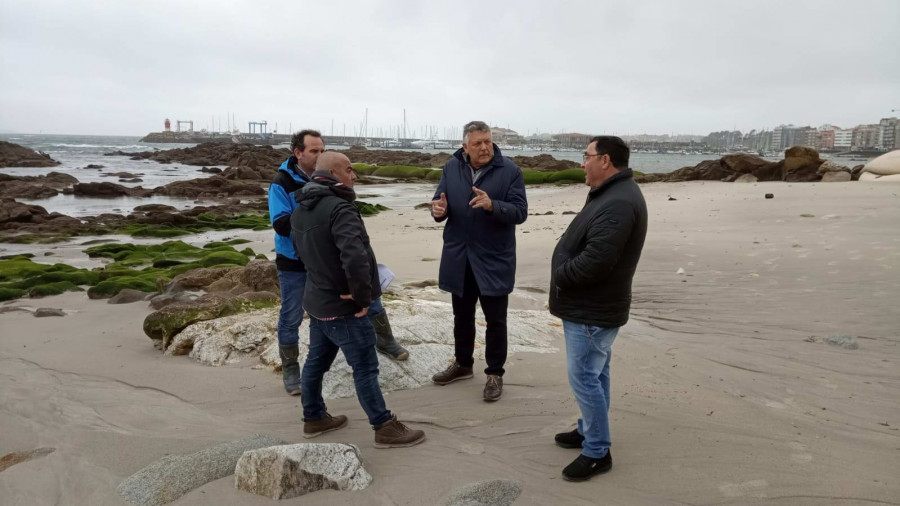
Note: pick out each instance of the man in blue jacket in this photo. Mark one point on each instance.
(482, 196)
(306, 145)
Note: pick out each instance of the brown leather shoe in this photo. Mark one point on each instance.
(328, 423)
(454, 372)
(493, 388)
(394, 434)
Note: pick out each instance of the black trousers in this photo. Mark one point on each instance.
(494, 309)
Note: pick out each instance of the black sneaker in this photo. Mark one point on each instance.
(583, 468)
(569, 439)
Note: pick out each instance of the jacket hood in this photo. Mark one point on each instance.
(290, 166)
(460, 155)
(322, 185)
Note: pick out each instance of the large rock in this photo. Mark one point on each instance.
(10, 210)
(801, 164)
(14, 155)
(175, 475)
(106, 190)
(198, 279)
(215, 186)
(419, 325)
(828, 166)
(34, 187)
(283, 472)
(485, 493)
(167, 322)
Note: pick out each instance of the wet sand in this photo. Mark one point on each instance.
(723, 389)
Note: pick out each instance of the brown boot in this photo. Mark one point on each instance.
(394, 434)
(453, 372)
(328, 423)
(493, 388)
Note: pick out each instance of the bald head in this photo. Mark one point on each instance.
(338, 165)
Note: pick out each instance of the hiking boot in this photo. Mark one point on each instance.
(327, 423)
(583, 468)
(569, 439)
(453, 372)
(394, 434)
(384, 337)
(290, 368)
(493, 388)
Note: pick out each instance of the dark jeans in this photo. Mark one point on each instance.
(464, 326)
(355, 337)
(292, 284)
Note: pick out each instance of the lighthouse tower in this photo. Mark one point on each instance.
(168, 125)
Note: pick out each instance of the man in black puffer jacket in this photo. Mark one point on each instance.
(342, 281)
(590, 289)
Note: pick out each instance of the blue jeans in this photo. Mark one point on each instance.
(588, 351)
(292, 284)
(355, 337)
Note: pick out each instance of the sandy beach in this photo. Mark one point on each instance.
(724, 389)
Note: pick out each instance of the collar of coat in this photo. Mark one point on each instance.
(622, 174)
(497, 161)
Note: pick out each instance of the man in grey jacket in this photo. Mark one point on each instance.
(590, 289)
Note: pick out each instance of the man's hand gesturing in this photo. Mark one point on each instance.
(482, 200)
(439, 206)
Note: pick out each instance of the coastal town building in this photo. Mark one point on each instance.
(887, 137)
(865, 137)
(843, 138)
(783, 137)
(572, 140)
(506, 136)
(825, 139)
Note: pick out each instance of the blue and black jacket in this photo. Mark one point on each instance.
(290, 178)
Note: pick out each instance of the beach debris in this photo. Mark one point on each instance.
(807, 215)
(283, 472)
(172, 476)
(770, 195)
(48, 311)
(672, 198)
(11, 459)
(680, 270)
(485, 493)
(844, 341)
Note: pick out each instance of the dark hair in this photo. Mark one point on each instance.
(615, 147)
(297, 139)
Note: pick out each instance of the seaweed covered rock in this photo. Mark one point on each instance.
(164, 324)
(34, 187)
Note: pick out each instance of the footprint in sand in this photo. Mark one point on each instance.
(801, 457)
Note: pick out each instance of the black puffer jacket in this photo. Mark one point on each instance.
(594, 262)
(330, 237)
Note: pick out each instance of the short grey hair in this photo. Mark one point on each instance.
(474, 126)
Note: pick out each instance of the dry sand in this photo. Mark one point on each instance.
(723, 389)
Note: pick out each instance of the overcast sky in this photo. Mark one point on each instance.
(120, 67)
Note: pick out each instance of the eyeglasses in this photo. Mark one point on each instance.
(585, 156)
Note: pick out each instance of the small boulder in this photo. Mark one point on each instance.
(283, 472)
(48, 311)
(747, 178)
(127, 296)
(486, 493)
(846, 342)
(172, 476)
